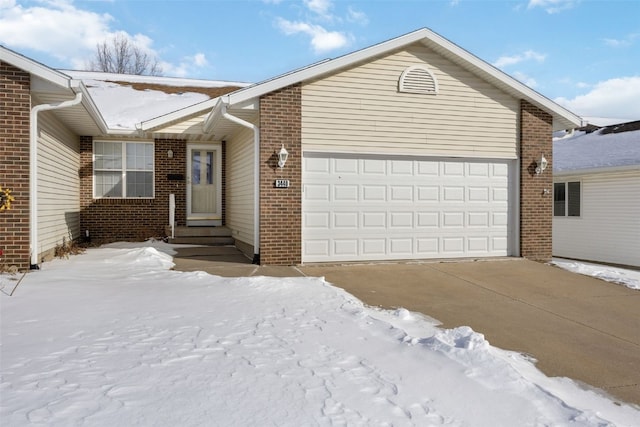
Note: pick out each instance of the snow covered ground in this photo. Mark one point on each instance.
(622, 276)
(113, 337)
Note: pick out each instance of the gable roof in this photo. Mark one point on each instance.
(562, 118)
(612, 148)
(144, 103)
(50, 86)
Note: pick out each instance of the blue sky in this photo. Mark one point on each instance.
(585, 54)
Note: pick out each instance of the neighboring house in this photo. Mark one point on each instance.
(597, 195)
(409, 149)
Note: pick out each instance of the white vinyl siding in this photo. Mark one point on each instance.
(608, 229)
(58, 184)
(239, 186)
(189, 126)
(361, 110)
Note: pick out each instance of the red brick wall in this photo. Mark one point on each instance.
(281, 208)
(535, 205)
(15, 107)
(111, 220)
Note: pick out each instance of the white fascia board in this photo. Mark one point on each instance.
(494, 73)
(90, 106)
(182, 114)
(214, 115)
(429, 39)
(324, 67)
(57, 78)
(34, 67)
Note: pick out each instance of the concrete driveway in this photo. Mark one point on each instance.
(575, 326)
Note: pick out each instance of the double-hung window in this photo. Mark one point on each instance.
(123, 169)
(566, 198)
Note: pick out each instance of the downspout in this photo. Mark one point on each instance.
(256, 178)
(33, 173)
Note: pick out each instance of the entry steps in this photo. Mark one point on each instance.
(207, 236)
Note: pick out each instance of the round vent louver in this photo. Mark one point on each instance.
(418, 79)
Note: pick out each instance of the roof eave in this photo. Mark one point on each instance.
(596, 170)
(562, 118)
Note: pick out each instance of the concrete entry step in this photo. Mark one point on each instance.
(210, 236)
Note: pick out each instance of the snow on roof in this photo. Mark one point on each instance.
(596, 150)
(157, 80)
(126, 100)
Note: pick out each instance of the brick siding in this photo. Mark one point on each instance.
(111, 220)
(281, 208)
(15, 107)
(535, 204)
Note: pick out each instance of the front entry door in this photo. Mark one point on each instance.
(204, 186)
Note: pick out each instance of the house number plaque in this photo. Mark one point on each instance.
(282, 183)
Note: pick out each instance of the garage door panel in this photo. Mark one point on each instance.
(374, 193)
(345, 193)
(345, 166)
(374, 220)
(453, 194)
(427, 193)
(401, 193)
(346, 220)
(371, 208)
(318, 192)
(401, 220)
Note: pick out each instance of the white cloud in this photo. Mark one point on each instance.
(552, 6)
(320, 7)
(74, 43)
(357, 16)
(186, 66)
(322, 40)
(528, 55)
(38, 28)
(522, 77)
(200, 60)
(624, 42)
(615, 98)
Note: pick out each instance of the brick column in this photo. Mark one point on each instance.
(15, 108)
(535, 206)
(281, 208)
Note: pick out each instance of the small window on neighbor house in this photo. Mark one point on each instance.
(566, 198)
(418, 79)
(123, 169)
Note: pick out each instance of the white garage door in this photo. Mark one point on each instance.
(358, 208)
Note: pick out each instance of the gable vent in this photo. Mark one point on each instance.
(418, 79)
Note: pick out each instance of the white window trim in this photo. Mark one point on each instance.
(566, 198)
(123, 170)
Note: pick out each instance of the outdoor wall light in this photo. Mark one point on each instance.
(170, 154)
(283, 154)
(541, 165)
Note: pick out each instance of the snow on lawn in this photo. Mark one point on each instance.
(113, 337)
(626, 277)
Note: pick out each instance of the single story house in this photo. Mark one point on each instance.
(412, 148)
(596, 186)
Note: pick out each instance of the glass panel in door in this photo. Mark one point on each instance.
(203, 186)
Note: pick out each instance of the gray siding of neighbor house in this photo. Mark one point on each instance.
(608, 228)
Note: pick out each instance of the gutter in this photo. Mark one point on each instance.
(33, 172)
(596, 170)
(222, 106)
